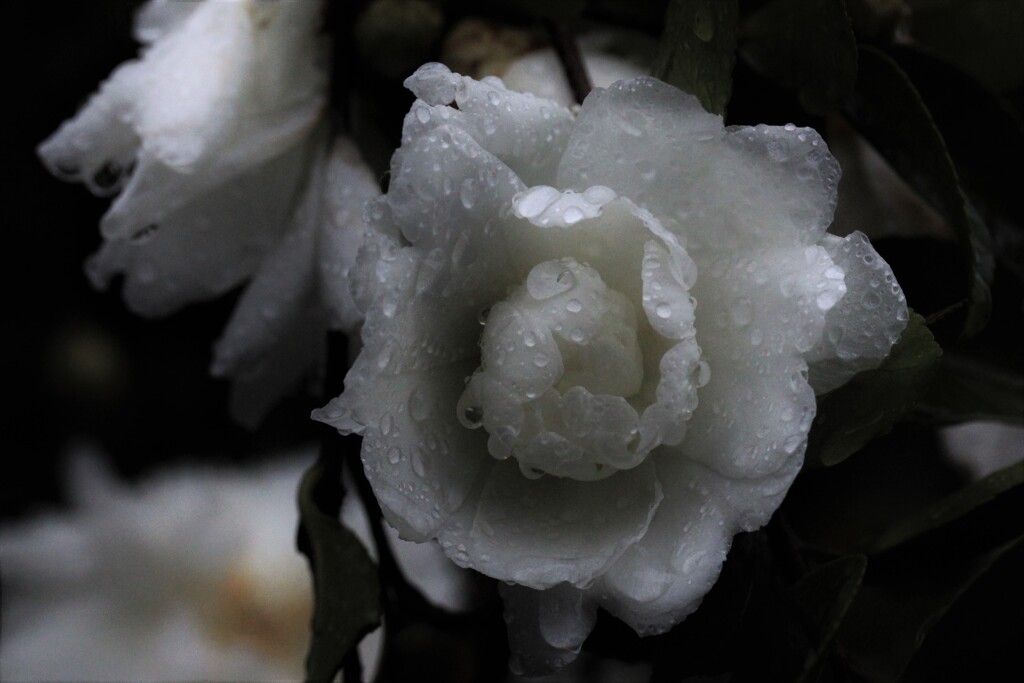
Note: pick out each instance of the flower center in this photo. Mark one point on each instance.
(560, 359)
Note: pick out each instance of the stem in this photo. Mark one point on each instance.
(568, 52)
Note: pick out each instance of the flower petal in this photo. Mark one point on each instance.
(542, 532)
(720, 188)
(526, 132)
(862, 328)
(421, 463)
(662, 578)
(546, 629)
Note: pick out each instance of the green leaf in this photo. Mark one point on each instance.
(823, 597)
(347, 592)
(869, 404)
(969, 389)
(894, 612)
(698, 50)
(950, 508)
(806, 45)
(888, 110)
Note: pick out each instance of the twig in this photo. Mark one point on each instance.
(572, 61)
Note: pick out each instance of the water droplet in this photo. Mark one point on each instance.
(574, 306)
(467, 193)
(394, 455)
(829, 298)
(534, 201)
(419, 408)
(549, 279)
(423, 114)
(473, 416)
(541, 360)
(702, 374)
(481, 317)
(663, 310)
(417, 462)
(386, 424)
(599, 194)
(572, 215)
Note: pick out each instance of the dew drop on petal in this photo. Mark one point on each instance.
(419, 409)
(572, 215)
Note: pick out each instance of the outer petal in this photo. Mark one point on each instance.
(542, 532)
(721, 189)
(546, 629)
(662, 579)
(862, 328)
(526, 132)
(759, 317)
(421, 463)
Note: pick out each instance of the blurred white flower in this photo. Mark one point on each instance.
(190, 575)
(541, 73)
(277, 334)
(983, 447)
(592, 343)
(205, 140)
(214, 142)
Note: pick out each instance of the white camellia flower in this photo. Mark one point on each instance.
(214, 142)
(592, 342)
(204, 139)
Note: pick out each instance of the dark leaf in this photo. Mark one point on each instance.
(897, 608)
(806, 45)
(971, 389)
(347, 592)
(984, 135)
(842, 510)
(888, 110)
(698, 49)
(979, 636)
(868, 405)
(949, 508)
(823, 597)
